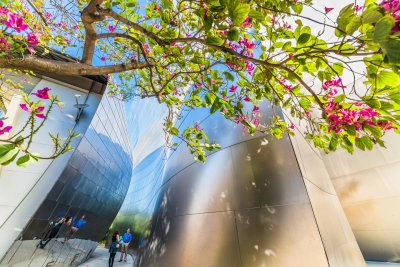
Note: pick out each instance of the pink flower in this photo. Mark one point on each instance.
(43, 93)
(16, 22)
(157, 26)
(256, 122)
(187, 35)
(48, 15)
(256, 109)
(156, 8)
(358, 8)
(103, 58)
(25, 107)
(246, 98)
(3, 11)
(233, 88)
(246, 22)
(291, 126)
(3, 44)
(75, 27)
(111, 28)
(197, 126)
(291, 55)
(32, 39)
(5, 129)
(328, 9)
(38, 111)
(249, 67)
(197, 85)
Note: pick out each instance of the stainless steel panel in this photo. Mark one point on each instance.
(198, 240)
(280, 236)
(276, 172)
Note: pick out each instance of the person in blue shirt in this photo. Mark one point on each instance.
(76, 225)
(126, 238)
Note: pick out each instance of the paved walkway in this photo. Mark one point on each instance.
(382, 264)
(100, 258)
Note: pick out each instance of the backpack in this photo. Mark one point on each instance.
(113, 247)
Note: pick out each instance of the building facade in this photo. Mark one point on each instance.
(92, 180)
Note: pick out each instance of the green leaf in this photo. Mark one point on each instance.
(353, 25)
(367, 142)
(375, 131)
(254, 14)
(371, 16)
(174, 131)
(338, 67)
(339, 98)
(214, 40)
(5, 148)
(305, 103)
(239, 13)
(303, 38)
(383, 28)
(389, 78)
(373, 103)
(391, 48)
(318, 142)
(297, 8)
(210, 98)
(233, 34)
(25, 160)
(9, 155)
(360, 144)
(229, 76)
(215, 106)
(333, 143)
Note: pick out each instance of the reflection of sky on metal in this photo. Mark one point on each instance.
(145, 123)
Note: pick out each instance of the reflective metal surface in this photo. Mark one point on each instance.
(94, 183)
(247, 206)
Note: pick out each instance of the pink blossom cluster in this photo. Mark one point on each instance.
(358, 115)
(15, 22)
(281, 24)
(5, 129)
(243, 47)
(286, 86)
(393, 8)
(37, 111)
(331, 87)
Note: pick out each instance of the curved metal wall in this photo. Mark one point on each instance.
(247, 206)
(94, 183)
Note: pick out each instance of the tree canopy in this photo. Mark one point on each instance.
(340, 78)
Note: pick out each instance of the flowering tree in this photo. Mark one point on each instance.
(222, 54)
(17, 146)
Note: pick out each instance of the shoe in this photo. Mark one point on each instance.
(124, 260)
(119, 260)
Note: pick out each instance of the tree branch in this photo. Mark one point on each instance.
(37, 64)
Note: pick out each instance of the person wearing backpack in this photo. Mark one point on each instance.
(113, 251)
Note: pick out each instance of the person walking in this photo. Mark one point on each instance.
(126, 238)
(113, 251)
(53, 231)
(76, 225)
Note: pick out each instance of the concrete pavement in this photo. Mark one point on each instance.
(100, 257)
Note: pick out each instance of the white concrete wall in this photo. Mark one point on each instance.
(337, 237)
(368, 185)
(22, 190)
